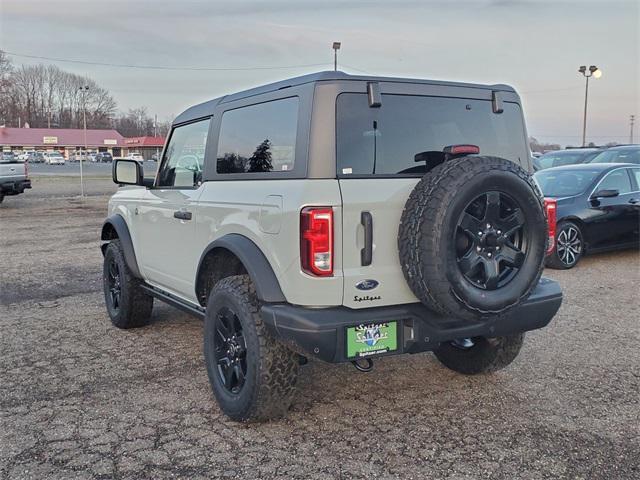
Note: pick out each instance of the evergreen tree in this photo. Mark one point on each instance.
(260, 161)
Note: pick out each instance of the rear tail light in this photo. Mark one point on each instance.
(462, 149)
(316, 241)
(550, 208)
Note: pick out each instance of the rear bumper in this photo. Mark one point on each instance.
(321, 332)
(14, 187)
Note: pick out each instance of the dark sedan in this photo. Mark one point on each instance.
(598, 209)
(621, 154)
(570, 156)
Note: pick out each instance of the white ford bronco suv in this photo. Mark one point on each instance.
(338, 217)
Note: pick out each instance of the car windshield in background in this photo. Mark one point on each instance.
(558, 159)
(8, 157)
(565, 183)
(626, 155)
(386, 140)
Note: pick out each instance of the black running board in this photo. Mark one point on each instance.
(174, 301)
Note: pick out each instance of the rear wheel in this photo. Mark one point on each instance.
(252, 375)
(471, 356)
(569, 247)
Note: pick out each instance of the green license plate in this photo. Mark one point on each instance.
(372, 339)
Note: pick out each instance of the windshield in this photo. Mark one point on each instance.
(55, 154)
(626, 155)
(386, 140)
(7, 157)
(558, 159)
(565, 183)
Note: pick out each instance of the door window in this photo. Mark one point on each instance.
(616, 180)
(184, 156)
(259, 138)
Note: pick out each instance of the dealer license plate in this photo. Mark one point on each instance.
(372, 339)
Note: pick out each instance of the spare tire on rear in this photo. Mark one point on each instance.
(473, 237)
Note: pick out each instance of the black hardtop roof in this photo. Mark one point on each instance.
(205, 109)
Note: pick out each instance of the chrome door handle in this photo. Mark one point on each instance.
(182, 215)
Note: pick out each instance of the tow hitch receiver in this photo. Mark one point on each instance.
(363, 368)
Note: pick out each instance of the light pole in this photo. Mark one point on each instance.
(336, 47)
(83, 91)
(632, 119)
(587, 73)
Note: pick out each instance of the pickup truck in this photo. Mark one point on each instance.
(14, 175)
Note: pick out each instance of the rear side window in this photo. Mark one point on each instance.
(259, 138)
(386, 140)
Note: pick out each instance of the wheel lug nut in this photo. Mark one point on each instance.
(499, 232)
(488, 254)
(478, 249)
(480, 233)
(488, 225)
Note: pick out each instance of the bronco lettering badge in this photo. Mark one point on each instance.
(367, 284)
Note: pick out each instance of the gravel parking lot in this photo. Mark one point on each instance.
(81, 399)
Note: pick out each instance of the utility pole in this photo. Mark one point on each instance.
(83, 91)
(336, 47)
(596, 73)
(632, 119)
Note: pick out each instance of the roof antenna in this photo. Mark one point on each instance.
(336, 47)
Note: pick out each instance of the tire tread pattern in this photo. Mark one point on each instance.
(420, 234)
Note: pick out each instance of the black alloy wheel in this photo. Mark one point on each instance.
(491, 240)
(114, 284)
(230, 350)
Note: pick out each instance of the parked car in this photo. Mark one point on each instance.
(36, 157)
(14, 175)
(155, 157)
(566, 157)
(621, 154)
(104, 157)
(136, 156)
(25, 154)
(598, 209)
(53, 158)
(376, 239)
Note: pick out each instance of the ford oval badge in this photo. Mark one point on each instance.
(367, 284)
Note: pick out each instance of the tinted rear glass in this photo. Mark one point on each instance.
(385, 140)
(565, 183)
(626, 155)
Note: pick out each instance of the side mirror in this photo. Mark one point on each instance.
(606, 193)
(127, 172)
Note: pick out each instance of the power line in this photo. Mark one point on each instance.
(164, 67)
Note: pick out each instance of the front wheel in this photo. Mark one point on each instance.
(471, 356)
(569, 247)
(127, 303)
(252, 375)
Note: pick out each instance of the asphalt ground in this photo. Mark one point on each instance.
(82, 399)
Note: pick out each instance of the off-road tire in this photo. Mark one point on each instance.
(428, 225)
(135, 305)
(554, 261)
(485, 356)
(272, 369)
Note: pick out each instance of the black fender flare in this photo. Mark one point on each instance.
(257, 266)
(119, 224)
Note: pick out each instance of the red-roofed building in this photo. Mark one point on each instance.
(65, 140)
(146, 146)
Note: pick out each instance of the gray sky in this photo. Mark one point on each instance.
(535, 46)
